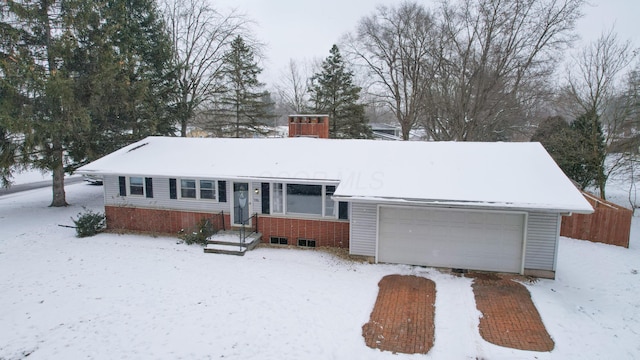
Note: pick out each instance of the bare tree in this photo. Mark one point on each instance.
(471, 71)
(201, 36)
(492, 65)
(593, 83)
(392, 45)
(292, 87)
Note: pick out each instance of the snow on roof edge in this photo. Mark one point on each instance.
(504, 179)
(475, 204)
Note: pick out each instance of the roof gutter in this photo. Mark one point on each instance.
(459, 204)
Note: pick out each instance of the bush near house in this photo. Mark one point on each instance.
(89, 223)
(199, 235)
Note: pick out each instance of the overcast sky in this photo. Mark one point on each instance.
(303, 29)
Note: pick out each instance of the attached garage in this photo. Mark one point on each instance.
(491, 206)
(468, 239)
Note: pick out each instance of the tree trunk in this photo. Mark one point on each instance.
(602, 182)
(183, 128)
(59, 197)
(237, 116)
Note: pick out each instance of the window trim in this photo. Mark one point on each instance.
(214, 189)
(335, 215)
(272, 200)
(285, 210)
(286, 195)
(130, 193)
(197, 189)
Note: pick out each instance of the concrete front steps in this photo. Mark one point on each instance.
(228, 242)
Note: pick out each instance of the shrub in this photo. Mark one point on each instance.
(89, 223)
(199, 234)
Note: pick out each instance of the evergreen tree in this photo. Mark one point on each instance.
(38, 46)
(592, 146)
(333, 93)
(563, 144)
(11, 101)
(128, 75)
(572, 148)
(84, 77)
(243, 108)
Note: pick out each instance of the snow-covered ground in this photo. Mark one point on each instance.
(30, 176)
(139, 297)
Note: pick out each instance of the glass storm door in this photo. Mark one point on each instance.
(241, 203)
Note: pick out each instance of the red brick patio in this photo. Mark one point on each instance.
(509, 317)
(403, 317)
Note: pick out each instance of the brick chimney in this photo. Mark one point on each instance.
(309, 126)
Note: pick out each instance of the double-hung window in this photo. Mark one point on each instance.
(135, 186)
(329, 204)
(187, 188)
(277, 203)
(198, 189)
(207, 189)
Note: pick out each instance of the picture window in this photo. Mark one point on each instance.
(304, 199)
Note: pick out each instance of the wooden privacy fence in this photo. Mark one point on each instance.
(609, 224)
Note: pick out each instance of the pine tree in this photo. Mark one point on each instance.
(332, 92)
(592, 146)
(128, 74)
(573, 148)
(84, 77)
(40, 45)
(12, 99)
(243, 108)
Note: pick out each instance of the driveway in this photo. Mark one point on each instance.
(403, 317)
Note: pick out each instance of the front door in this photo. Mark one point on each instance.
(241, 203)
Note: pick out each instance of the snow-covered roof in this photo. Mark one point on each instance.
(500, 175)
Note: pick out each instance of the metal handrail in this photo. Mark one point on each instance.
(222, 220)
(254, 228)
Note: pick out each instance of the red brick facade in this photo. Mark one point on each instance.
(332, 233)
(158, 221)
(309, 125)
(325, 232)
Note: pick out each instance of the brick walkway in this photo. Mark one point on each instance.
(403, 317)
(509, 317)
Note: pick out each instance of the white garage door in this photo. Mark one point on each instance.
(489, 241)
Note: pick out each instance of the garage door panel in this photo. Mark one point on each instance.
(447, 238)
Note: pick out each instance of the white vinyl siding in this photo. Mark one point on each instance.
(542, 241)
(362, 237)
(160, 198)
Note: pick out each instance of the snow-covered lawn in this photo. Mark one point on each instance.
(138, 297)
